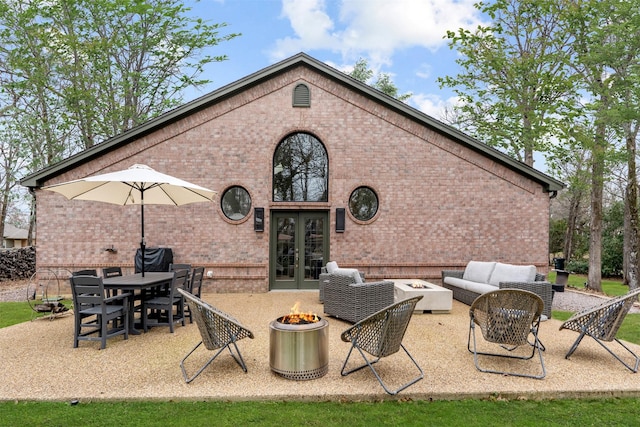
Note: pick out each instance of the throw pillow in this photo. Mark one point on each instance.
(331, 266)
(478, 271)
(512, 273)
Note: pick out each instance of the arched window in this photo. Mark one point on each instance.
(300, 170)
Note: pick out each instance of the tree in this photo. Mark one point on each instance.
(559, 77)
(383, 83)
(514, 86)
(12, 161)
(605, 58)
(82, 71)
(570, 165)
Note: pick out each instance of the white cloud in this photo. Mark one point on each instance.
(432, 105)
(375, 29)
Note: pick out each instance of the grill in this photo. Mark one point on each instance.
(299, 351)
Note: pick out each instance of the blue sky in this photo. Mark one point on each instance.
(404, 38)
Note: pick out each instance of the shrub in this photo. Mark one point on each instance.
(578, 266)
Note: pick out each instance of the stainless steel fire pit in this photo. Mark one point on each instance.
(299, 351)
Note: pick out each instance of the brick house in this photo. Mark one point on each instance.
(310, 165)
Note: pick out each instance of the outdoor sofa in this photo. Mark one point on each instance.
(480, 277)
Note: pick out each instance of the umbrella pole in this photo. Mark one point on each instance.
(142, 243)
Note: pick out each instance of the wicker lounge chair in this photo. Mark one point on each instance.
(218, 331)
(507, 317)
(350, 301)
(602, 323)
(381, 335)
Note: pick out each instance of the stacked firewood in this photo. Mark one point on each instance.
(17, 263)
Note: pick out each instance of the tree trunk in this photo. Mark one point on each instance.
(594, 280)
(627, 238)
(32, 220)
(631, 200)
(572, 220)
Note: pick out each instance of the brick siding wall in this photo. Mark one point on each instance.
(441, 204)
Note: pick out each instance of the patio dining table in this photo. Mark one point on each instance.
(137, 284)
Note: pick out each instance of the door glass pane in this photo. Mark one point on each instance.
(313, 247)
(285, 248)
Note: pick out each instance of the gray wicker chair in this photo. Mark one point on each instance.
(602, 323)
(380, 335)
(351, 301)
(540, 287)
(218, 331)
(323, 279)
(506, 317)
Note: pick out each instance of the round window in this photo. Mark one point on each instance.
(363, 203)
(236, 203)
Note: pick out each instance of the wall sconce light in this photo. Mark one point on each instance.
(339, 220)
(258, 219)
(111, 249)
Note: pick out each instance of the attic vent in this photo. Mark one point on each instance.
(301, 96)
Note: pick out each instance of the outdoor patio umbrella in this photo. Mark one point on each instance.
(138, 185)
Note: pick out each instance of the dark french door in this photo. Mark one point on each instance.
(299, 246)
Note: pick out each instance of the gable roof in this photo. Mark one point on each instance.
(37, 178)
(14, 233)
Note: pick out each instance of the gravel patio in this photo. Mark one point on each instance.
(39, 362)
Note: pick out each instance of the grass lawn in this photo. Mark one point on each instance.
(495, 412)
(582, 412)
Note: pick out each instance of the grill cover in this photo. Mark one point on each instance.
(155, 259)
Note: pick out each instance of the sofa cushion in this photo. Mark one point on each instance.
(331, 267)
(512, 273)
(477, 287)
(478, 271)
(352, 272)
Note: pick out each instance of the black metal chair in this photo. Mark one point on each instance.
(93, 311)
(602, 323)
(218, 331)
(195, 288)
(507, 318)
(164, 303)
(380, 335)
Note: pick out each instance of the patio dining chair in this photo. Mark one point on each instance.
(507, 319)
(602, 323)
(93, 311)
(177, 267)
(108, 272)
(87, 272)
(218, 331)
(167, 306)
(380, 335)
(195, 288)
